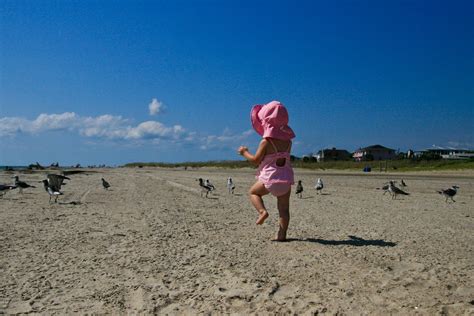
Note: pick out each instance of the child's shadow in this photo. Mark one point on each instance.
(352, 241)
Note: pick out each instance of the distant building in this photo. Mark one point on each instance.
(450, 153)
(332, 154)
(374, 152)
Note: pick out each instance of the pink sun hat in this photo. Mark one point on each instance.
(271, 120)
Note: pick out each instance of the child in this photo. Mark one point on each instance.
(274, 174)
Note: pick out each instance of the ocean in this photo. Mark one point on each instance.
(13, 167)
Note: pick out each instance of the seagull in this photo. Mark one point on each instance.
(319, 186)
(6, 187)
(52, 190)
(22, 185)
(56, 180)
(402, 183)
(299, 189)
(105, 184)
(449, 193)
(386, 186)
(204, 187)
(230, 185)
(209, 184)
(393, 190)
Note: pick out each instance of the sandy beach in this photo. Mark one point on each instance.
(151, 244)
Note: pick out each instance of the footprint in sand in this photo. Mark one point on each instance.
(136, 300)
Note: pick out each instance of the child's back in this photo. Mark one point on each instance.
(275, 171)
(279, 146)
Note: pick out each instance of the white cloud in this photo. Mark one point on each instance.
(226, 140)
(155, 106)
(10, 126)
(44, 122)
(190, 137)
(116, 128)
(62, 121)
(154, 129)
(108, 126)
(104, 126)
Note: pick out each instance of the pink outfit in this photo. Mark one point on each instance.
(271, 120)
(276, 179)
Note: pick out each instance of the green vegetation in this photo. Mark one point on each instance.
(219, 164)
(389, 165)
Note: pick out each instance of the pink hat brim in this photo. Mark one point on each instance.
(283, 132)
(256, 122)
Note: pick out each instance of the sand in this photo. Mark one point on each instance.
(152, 245)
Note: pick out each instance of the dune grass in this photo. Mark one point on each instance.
(391, 165)
(196, 164)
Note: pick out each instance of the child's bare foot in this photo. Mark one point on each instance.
(281, 236)
(262, 217)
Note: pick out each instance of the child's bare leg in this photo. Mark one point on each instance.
(283, 204)
(256, 192)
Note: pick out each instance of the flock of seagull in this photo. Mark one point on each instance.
(207, 187)
(318, 187)
(390, 187)
(53, 183)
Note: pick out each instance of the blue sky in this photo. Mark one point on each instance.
(78, 77)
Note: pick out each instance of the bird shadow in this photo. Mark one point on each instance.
(307, 197)
(352, 241)
(212, 198)
(238, 194)
(69, 203)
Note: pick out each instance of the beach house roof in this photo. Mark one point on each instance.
(376, 147)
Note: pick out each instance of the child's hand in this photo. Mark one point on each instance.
(242, 149)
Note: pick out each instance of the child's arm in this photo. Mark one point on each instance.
(257, 158)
